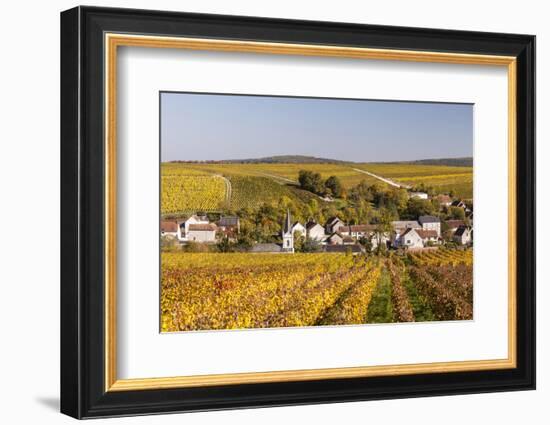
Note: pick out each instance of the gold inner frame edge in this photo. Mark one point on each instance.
(112, 41)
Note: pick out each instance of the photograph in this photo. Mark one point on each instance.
(281, 211)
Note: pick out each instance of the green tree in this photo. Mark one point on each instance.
(335, 186)
(417, 207)
(311, 181)
(457, 213)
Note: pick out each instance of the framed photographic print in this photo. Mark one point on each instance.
(261, 212)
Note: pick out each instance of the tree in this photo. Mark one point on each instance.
(311, 245)
(311, 182)
(383, 227)
(299, 241)
(417, 207)
(457, 213)
(335, 186)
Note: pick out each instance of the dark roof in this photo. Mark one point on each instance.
(460, 231)
(168, 226)
(210, 227)
(311, 224)
(229, 220)
(457, 203)
(266, 247)
(335, 235)
(333, 220)
(428, 219)
(344, 248)
(424, 234)
(453, 224)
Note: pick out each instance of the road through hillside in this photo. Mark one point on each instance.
(387, 181)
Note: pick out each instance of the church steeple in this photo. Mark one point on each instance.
(287, 234)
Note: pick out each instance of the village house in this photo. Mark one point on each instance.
(298, 228)
(192, 220)
(429, 237)
(400, 226)
(333, 224)
(229, 222)
(357, 231)
(463, 235)
(315, 231)
(204, 232)
(335, 239)
(169, 228)
(429, 222)
(451, 227)
(409, 239)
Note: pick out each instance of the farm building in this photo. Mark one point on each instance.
(298, 227)
(169, 228)
(315, 231)
(194, 219)
(400, 226)
(333, 224)
(409, 238)
(428, 236)
(357, 230)
(335, 239)
(229, 223)
(201, 233)
(430, 222)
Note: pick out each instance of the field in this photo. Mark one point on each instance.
(207, 291)
(443, 178)
(189, 187)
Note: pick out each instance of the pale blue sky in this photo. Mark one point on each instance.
(215, 127)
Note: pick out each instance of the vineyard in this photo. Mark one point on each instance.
(442, 178)
(182, 193)
(211, 187)
(207, 291)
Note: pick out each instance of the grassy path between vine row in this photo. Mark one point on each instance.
(421, 309)
(380, 308)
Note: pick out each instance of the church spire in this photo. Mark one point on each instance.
(288, 225)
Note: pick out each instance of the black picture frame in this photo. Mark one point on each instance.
(82, 212)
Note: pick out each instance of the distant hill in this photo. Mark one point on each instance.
(452, 162)
(304, 159)
(278, 159)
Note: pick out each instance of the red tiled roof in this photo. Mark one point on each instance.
(168, 226)
(357, 228)
(424, 234)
